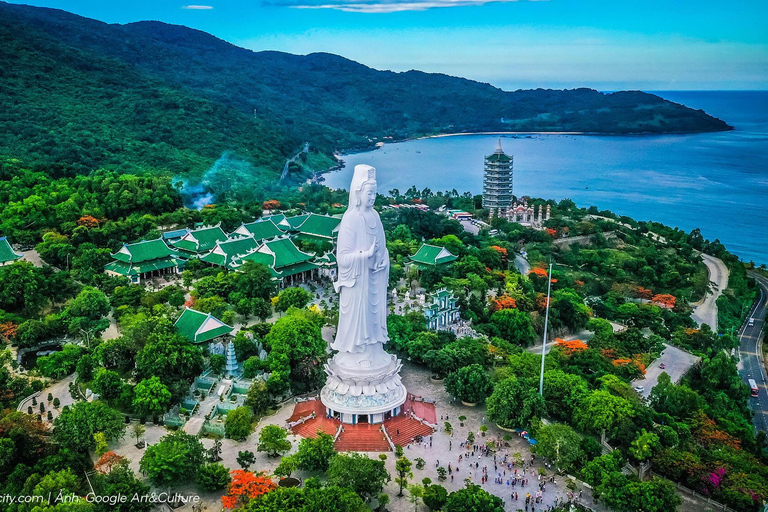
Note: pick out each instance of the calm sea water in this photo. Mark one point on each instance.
(717, 182)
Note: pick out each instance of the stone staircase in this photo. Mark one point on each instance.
(403, 429)
(362, 438)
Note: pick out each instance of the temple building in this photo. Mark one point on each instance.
(229, 252)
(288, 264)
(145, 259)
(261, 229)
(497, 181)
(319, 228)
(199, 327)
(431, 256)
(441, 310)
(7, 254)
(525, 215)
(197, 242)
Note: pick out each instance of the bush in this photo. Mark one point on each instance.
(213, 477)
(239, 423)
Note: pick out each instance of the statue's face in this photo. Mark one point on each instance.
(368, 195)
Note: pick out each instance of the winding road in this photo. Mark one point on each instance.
(751, 357)
(706, 312)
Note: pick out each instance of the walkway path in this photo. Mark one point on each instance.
(706, 312)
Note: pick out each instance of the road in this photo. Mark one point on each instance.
(676, 362)
(706, 312)
(751, 358)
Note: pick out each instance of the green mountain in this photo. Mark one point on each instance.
(78, 94)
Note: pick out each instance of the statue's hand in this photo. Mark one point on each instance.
(370, 251)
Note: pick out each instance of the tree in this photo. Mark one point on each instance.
(258, 397)
(645, 446)
(175, 459)
(75, 426)
(360, 473)
(107, 384)
(473, 498)
(244, 487)
(415, 493)
(171, 358)
(217, 362)
(138, 431)
(273, 440)
(84, 368)
(515, 402)
(213, 477)
(287, 466)
(151, 397)
(435, 496)
(403, 470)
(239, 423)
(296, 341)
(120, 480)
(315, 454)
(292, 298)
(560, 443)
(84, 315)
(469, 384)
(600, 410)
(514, 326)
(246, 459)
(563, 392)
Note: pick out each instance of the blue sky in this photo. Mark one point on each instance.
(604, 44)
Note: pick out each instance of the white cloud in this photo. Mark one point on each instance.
(378, 6)
(197, 7)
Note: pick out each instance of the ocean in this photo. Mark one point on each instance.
(717, 182)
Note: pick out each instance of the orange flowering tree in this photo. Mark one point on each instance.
(538, 271)
(502, 252)
(88, 221)
(8, 330)
(271, 204)
(664, 300)
(108, 461)
(503, 302)
(570, 347)
(245, 486)
(644, 293)
(552, 232)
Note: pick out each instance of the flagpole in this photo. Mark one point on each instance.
(546, 322)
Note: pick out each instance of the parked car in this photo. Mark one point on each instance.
(662, 366)
(639, 389)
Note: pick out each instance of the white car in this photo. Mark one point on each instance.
(639, 389)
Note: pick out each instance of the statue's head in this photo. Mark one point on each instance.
(362, 192)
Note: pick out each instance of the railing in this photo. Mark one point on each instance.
(301, 420)
(338, 433)
(389, 440)
(680, 487)
(423, 421)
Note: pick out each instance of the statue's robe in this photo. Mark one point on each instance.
(363, 301)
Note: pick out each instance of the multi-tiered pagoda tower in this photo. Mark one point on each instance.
(497, 182)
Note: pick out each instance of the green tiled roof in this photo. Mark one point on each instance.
(134, 269)
(6, 251)
(296, 220)
(200, 327)
(225, 252)
(321, 226)
(286, 253)
(282, 257)
(200, 240)
(297, 269)
(432, 255)
(146, 250)
(263, 229)
(498, 157)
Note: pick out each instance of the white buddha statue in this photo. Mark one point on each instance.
(363, 276)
